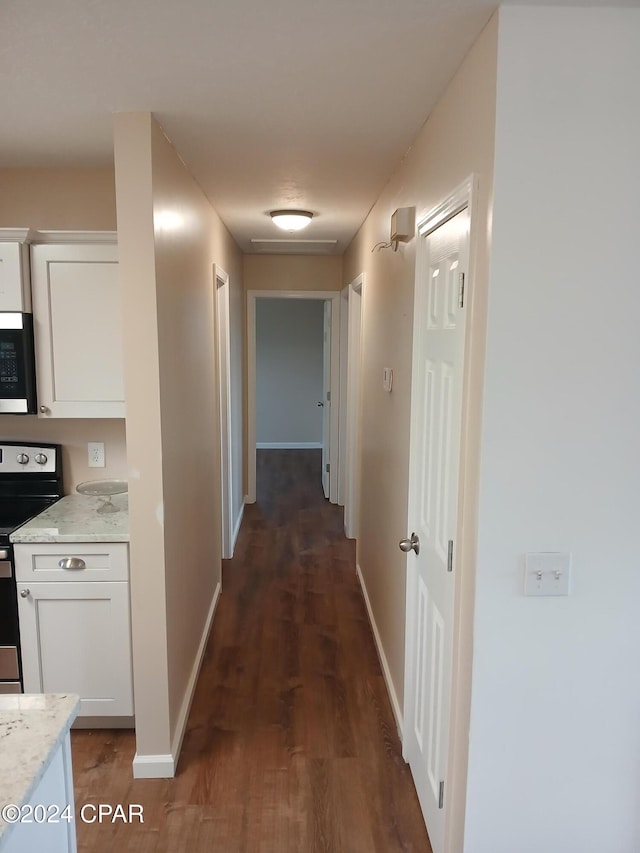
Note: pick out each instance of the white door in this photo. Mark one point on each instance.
(438, 358)
(326, 398)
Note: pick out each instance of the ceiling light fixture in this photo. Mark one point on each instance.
(291, 220)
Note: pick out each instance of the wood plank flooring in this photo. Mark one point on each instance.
(291, 744)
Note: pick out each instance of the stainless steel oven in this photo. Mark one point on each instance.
(10, 674)
(30, 481)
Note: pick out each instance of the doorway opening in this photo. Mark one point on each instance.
(350, 372)
(279, 414)
(223, 346)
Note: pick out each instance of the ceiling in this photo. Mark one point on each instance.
(285, 103)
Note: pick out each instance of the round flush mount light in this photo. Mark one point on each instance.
(291, 220)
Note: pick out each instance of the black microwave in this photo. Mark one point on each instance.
(17, 364)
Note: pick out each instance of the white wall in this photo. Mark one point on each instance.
(289, 346)
(555, 723)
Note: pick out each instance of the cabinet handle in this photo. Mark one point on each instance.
(24, 593)
(44, 410)
(72, 563)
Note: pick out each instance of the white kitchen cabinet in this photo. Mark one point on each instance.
(75, 631)
(78, 330)
(15, 290)
(54, 791)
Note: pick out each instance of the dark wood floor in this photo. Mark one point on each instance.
(291, 745)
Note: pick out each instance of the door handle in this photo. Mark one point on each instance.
(412, 544)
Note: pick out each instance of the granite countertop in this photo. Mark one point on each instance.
(31, 727)
(75, 519)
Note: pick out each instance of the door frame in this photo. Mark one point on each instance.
(223, 360)
(319, 295)
(350, 389)
(463, 197)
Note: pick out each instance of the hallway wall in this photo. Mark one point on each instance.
(284, 272)
(456, 141)
(292, 272)
(169, 239)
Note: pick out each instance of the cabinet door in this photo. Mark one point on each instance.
(14, 277)
(76, 638)
(78, 330)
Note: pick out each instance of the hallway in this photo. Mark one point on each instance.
(291, 744)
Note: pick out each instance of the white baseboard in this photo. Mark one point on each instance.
(154, 766)
(183, 716)
(164, 766)
(288, 445)
(395, 705)
(236, 529)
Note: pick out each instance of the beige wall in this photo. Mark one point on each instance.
(456, 141)
(73, 435)
(292, 272)
(58, 200)
(169, 237)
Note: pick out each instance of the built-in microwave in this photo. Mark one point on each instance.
(17, 364)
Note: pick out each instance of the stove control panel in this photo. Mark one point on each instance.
(18, 459)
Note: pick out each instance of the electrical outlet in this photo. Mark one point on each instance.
(96, 454)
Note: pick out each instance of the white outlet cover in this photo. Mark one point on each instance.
(547, 573)
(95, 454)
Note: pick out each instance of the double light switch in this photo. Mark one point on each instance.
(547, 573)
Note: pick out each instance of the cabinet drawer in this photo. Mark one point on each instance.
(60, 561)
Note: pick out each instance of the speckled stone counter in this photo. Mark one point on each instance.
(31, 728)
(75, 518)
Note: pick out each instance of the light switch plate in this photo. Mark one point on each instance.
(387, 379)
(547, 573)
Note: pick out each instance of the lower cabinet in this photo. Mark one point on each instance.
(54, 791)
(75, 635)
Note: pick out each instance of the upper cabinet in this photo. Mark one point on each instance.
(15, 293)
(78, 328)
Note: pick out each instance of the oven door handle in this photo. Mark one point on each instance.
(72, 563)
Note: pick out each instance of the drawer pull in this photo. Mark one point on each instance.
(72, 563)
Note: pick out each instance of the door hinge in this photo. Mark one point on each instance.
(441, 795)
(327, 467)
(461, 290)
(328, 396)
(450, 556)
